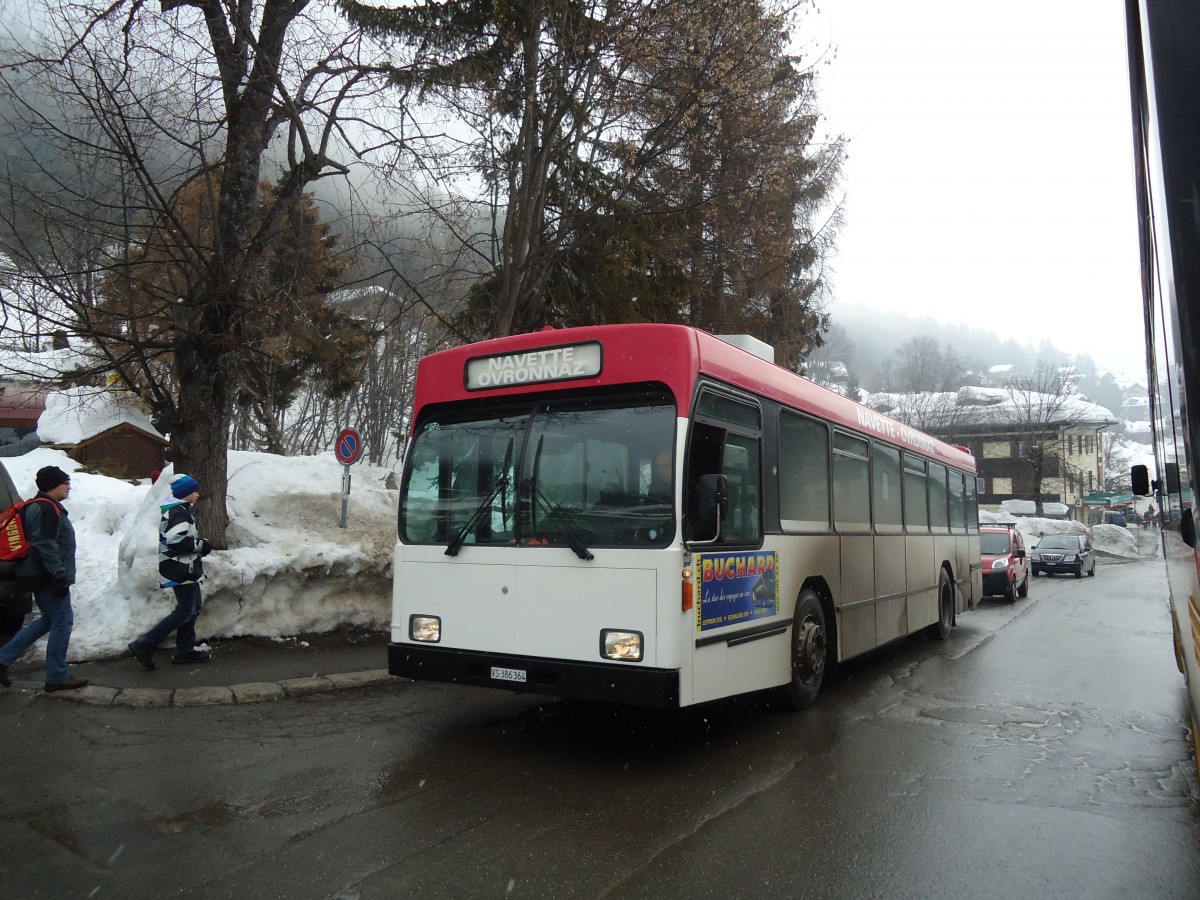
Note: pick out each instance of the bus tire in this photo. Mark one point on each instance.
(810, 650)
(940, 630)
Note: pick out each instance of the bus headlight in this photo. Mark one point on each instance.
(427, 629)
(623, 645)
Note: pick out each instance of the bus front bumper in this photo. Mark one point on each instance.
(609, 682)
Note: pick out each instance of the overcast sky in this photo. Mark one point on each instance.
(989, 178)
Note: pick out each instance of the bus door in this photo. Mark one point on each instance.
(852, 520)
(891, 580)
(737, 586)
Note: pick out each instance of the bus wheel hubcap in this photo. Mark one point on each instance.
(810, 650)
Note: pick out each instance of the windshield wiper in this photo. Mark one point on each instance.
(555, 512)
(456, 543)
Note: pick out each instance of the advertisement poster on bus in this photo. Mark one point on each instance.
(733, 588)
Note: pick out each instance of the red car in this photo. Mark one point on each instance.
(1005, 563)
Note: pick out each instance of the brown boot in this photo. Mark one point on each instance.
(69, 685)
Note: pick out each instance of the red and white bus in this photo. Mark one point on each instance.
(651, 515)
(1164, 71)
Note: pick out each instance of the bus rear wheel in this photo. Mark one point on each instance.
(940, 630)
(810, 648)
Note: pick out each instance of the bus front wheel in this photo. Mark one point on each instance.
(940, 630)
(810, 647)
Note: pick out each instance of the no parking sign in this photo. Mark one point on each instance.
(348, 448)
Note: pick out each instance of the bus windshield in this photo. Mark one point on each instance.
(574, 472)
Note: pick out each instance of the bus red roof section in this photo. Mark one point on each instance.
(674, 355)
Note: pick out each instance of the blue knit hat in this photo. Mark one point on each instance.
(184, 485)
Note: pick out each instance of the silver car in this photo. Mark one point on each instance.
(1063, 553)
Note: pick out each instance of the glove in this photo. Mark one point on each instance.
(205, 547)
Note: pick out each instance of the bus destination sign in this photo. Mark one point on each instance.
(534, 366)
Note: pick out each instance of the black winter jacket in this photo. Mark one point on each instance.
(51, 559)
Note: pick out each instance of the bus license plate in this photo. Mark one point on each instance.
(499, 674)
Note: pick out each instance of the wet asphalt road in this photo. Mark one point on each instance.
(1041, 752)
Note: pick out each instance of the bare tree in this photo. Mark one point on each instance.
(832, 363)
(946, 414)
(131, 102)
(380, 402)
(1116, 458)
(1044, 409)
(920, 364)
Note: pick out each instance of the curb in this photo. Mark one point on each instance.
(240, 694)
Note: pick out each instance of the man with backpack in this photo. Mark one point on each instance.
(49, 571)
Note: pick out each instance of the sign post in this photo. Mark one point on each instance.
(348, 449)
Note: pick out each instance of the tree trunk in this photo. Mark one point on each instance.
(198, 439)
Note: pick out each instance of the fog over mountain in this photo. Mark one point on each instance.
(874, 336)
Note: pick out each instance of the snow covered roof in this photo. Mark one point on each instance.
(973, 406)
(76, 414)
(46, 365)
(1029, 508)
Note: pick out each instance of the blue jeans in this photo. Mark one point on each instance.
(181, 620)
(56, 620)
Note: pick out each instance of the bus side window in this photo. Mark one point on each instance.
(972, 505)
(916, 500)
(740, 466)
(939, 517)
(713, 450)
(958, 519)
(803, 473)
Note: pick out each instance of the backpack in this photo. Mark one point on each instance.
(14, 544)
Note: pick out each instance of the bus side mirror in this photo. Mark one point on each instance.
(712, 503)
(1140, 476)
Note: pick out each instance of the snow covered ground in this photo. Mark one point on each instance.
(291, 569)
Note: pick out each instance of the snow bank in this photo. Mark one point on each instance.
(1110, 539)
(289, 569)
(1115, 540)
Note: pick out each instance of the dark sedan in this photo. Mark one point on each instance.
(1062, 554)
